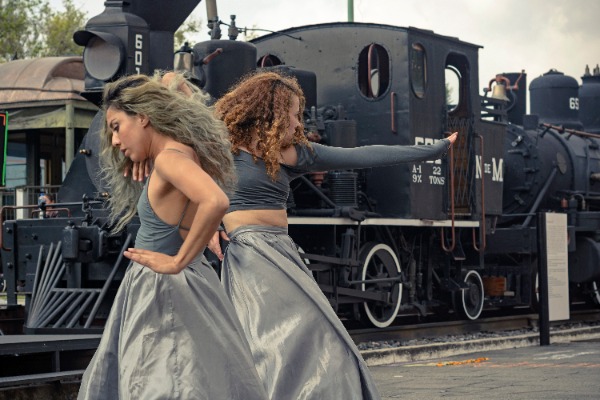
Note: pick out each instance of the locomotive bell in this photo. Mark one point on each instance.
(184, 59)
(499, 92)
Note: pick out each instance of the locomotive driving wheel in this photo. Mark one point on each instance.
(470, 300)
(596, 292)
(380, 262)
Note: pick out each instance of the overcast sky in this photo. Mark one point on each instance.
(535, 35)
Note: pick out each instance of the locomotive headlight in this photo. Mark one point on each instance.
(104, 53)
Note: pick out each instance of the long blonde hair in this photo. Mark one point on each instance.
(183, 117)
(258, 107)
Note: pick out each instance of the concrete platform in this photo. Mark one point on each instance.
(568, 370)
(503, 369)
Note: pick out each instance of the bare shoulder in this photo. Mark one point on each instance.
(176, 161)
(176, 152)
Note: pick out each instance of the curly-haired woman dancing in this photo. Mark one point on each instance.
(300, 347)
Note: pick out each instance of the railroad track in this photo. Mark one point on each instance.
(408, 332)
(416, 331)
(412, 342)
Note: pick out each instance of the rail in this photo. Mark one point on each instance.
(452, 214)
(393, 112)
(573, 132)
(482, 226)
(25, 195)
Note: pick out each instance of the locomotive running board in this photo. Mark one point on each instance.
(426, 223)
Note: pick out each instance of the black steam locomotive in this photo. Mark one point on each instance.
(455, 235)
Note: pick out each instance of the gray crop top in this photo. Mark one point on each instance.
(155, 234)
(257, 191)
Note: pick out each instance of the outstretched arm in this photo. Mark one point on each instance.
(326, 158)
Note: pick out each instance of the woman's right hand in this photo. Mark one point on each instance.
(214, 244)
(158, 262)
(139, 170)
(452, 138)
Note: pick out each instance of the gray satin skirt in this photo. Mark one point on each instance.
(172, 337)
(300, 347)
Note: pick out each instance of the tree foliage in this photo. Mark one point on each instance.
(59, 28)
(21, 30)
(250, 33)
(31, 28)
(190, 27)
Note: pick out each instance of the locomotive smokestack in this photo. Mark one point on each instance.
(211, 9)
(213, 19)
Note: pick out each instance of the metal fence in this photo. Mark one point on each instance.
(24, 196)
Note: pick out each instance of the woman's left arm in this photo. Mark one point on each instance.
(326, 158)
(189, 178)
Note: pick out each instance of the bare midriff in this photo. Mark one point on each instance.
(235, 219)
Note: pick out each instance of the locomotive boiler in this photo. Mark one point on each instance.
(551, 164)
(456, 235)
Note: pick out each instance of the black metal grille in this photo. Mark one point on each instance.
(53, 307)
(463, 157)
(342, 185)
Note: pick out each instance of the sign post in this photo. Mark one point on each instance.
(553, 269)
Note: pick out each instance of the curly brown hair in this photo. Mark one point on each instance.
(257, 109)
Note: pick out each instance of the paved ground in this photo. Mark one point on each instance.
(562, 371)
(495, 369)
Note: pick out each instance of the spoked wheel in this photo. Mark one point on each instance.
(379, 261)
(471, 299)
(596, 292)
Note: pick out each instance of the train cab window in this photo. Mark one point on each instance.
(268, 60)
(373, 71)
(457, 85)
(452, 88)
(418, 70)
